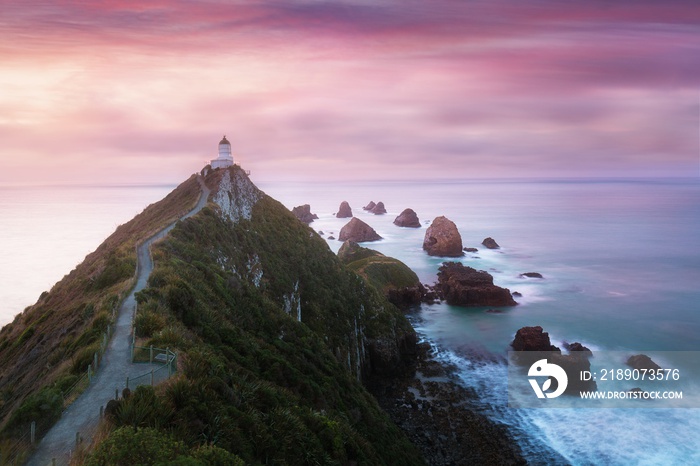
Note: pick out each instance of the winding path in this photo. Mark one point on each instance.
(83, 415)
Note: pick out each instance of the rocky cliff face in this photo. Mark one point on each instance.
(236, 196)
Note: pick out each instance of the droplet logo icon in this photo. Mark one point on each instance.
(542, 368)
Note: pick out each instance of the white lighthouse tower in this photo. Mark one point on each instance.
(225, 159)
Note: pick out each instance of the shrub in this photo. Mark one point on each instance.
(128, 446)
(44, 407)
(148, 322)
(83, 358)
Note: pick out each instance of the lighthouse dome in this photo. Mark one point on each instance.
(225, 141)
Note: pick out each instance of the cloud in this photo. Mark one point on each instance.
(354, 88)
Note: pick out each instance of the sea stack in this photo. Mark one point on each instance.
(465, 286)
(443, 239)
(358, 231)
(303, 213)
(344, 211)
(378, 209)
(369, 206)
(490, 243)
(407, 218)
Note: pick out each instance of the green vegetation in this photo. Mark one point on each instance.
(384, 273)
(254, 383)
(54, 340)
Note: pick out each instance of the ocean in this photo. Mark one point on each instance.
(620, 260)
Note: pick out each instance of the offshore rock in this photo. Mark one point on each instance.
(642, 361)
(531, 275)
(358, 231)
(577, 347)
(378, 209)
(443, 239)
(532, 339)
(344, 211)
(408, 218)
(369, 206)
(465, 286)
(490, 243)
(303, 213)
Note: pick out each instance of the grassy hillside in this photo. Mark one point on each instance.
(48, 346)
(274, 336)
(392, 277)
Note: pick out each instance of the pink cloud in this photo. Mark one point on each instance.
(350, 89)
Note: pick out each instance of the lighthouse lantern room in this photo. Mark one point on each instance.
(225, 159)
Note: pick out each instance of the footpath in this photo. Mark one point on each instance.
(79, 422)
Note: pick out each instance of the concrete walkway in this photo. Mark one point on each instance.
(84, 414)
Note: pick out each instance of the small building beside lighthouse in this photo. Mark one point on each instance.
(225, 159)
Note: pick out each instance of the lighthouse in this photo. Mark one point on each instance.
(225, 159)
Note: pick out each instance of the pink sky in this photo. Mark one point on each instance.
(122, 92)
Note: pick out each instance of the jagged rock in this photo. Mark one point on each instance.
(531, 275)
(236, 196)
(576, 346)
(303, 213)
(344, 211)
(378, 209)
(532, 339)
(331, 237)
(490, 243)
(465, 286)
(320, 232)
(517, 294)
(642, 361)
(470, 250)
(407, 218)
(443, 239)
(358, 231)
(370, 206)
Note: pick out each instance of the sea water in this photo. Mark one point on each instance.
(621, 267)
(47, 230)
(620, 260)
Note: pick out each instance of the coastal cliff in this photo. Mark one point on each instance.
(274, 338)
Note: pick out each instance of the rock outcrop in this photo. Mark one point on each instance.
(408, 218)
(642, 361)
(465, 286)
(490, 243)
(532, 339)
(369, 206)
(358, 231)
(531, 275)
(470, 250)
(532, 344)
(303, 213)
(378, 209)
(577, 347)
(392, 277)
(344, 211)
(443, 239)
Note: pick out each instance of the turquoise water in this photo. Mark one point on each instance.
(621, 267)
(621, 262)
